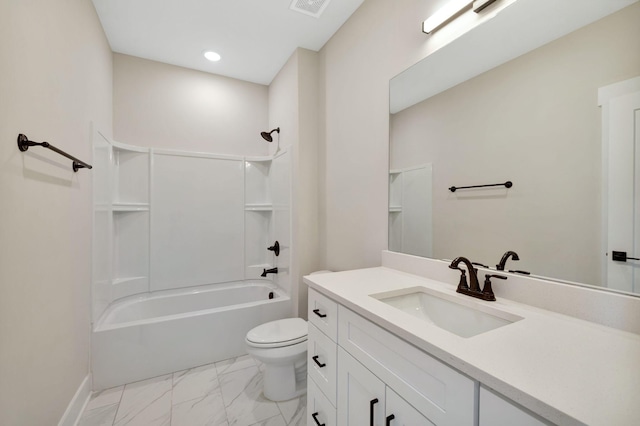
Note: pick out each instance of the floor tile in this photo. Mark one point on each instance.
(105, 397)
(235, 364)
(273, 421)
(243, 399)
(206, 411)
(101, 416)
(146, 403)
(294, 411)
(194, 383)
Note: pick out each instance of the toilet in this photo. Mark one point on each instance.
(282, 346)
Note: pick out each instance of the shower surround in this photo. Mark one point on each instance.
(180, 239)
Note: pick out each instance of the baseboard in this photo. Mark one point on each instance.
(77, 404)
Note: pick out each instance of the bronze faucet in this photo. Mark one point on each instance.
(473, 289)
(505, 257)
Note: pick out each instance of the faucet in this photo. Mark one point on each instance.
(473, 290)
(505, 257)
(269, 271)
(473, 275)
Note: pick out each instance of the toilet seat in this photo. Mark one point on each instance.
(275, 334)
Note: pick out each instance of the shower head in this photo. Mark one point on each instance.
(267, 135)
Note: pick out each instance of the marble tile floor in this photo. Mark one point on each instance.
(226, 393)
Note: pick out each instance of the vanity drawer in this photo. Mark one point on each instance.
(322, 362)
(441, 394)
(319, 405)
(323, 313)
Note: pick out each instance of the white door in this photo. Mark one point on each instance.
(360, 394)
(621, 128)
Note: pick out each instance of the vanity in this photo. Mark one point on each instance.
(396, 345)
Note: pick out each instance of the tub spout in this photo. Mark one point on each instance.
(269, 271)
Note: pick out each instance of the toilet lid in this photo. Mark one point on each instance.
(286, 331)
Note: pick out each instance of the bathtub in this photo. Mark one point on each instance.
(157, 333)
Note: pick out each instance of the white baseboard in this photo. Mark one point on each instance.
(77, 404)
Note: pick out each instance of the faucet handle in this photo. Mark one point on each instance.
(486, 289)
(275, 248)
(463, 279)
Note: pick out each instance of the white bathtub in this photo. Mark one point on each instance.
(152, 334)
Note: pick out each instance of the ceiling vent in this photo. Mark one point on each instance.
(310, 7)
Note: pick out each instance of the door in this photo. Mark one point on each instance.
(622, 135)
(360, 394)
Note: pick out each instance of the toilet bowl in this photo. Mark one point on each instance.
(282, 346)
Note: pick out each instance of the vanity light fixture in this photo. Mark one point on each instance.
(444, 14)
(480, 5)
(212, 56)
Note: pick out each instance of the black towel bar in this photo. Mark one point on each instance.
(507, 184)
(24, 143)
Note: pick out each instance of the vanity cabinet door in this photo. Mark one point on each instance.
(361, 395)
(497, 411)
(400, 413)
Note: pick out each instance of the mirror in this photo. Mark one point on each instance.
(529, 116)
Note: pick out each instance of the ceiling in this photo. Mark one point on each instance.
(254, 37)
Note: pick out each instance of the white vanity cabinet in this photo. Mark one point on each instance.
(322, 360)
(359, 371)
(439, 394)
(366, 400)
(319, 410)
(362, 394)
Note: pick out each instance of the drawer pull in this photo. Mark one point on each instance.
(315, 358)
(373, 402)
(389, 418)
(315, 418)
(317, 312)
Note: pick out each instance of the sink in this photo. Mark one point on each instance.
(448, 312)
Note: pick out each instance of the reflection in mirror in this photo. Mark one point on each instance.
(410, 201)
(535, 121)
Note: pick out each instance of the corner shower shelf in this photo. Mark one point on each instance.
(124, 280)
(130, 207)
(395, 209)
(258, 207)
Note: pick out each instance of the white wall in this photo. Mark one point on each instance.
(55, 78)
(535, 121)
(166, 106)
(293, 106)
(379, 40)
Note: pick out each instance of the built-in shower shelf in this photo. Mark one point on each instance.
(258, 207)
(130, 207)
(395, 209)
(124, 280)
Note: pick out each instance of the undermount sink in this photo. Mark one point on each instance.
(458, 316)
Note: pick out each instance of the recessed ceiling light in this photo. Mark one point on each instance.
(212, 56)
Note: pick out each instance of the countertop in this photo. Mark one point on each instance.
(566, 370)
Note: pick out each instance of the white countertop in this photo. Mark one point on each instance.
(566, 370)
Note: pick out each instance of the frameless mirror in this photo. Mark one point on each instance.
(524, 109)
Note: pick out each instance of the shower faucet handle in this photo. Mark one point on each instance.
(275, 248)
